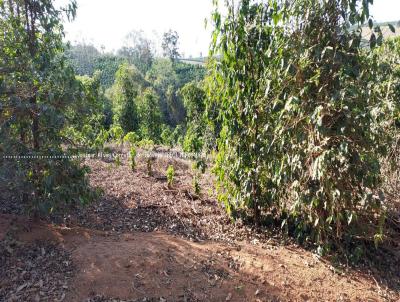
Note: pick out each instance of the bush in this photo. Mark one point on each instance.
(196, 185)
(178, 134)
(131, 138)
(146, 143)
(41, 100)
(170, 175)
(132, 154)
(101, 139)
(192, 141)
(117, 133)
(299, 137)
(167, 137)
(60, 184)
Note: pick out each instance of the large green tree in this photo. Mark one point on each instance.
(128, 85)
(150, 115)
(299, 140)
(193, 96)
(36, 89)
(88, 119)
(164, 80)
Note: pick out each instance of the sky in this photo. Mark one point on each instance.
(107, 22)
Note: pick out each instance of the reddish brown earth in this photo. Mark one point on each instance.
(144, 242)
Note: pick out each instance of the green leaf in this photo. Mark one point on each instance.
(391, 27)
(372, 41)
(350, 219)
(370, 23)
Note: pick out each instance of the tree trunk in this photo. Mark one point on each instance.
(256, 208)
(35, 124)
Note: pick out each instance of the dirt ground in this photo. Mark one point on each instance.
(143, 241)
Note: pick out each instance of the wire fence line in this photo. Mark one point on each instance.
(109, 156)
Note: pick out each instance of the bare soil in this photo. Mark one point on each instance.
(143, 241)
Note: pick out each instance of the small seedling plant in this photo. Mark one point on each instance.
(196, 185)
(150, 165)
(132, 154)
(170, 175)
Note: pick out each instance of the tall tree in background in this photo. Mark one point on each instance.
(86, 60)
(170, 45)
(83, 58)
(164, 80)
(128, 85)
(193, 96)
(150, 115)
(138, 50)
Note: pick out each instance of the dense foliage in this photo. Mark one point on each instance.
(193, 96)
(301, 140)
(300, 111)
(128, 85)
(125, 76)
(37, 91)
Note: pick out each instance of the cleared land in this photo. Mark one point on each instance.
(142, 241)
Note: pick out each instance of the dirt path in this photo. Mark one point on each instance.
(161, 266)
(144, 242)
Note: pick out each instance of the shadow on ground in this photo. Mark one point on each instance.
(143, 239)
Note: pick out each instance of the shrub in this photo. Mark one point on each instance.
(146, 143)
(101, 139)
(61, 183)
(117, 133)
(167, 137)
(39, 95)
(170, 175)
(299, 136)
(192, 141)
(124, 93)
(149, 163)
(150, 115)
(131, 138)
(196, 185)
(132, 154)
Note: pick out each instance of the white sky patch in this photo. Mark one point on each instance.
(106, 22)
(386, 10)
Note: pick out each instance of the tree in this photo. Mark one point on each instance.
(164, 80)
(83, 58)
(193, 96)
(86, 60)
(299, 139)
(138, 50)
(86, 117)
(189, 72)
(37, 89)
(108, 65)
(170, 45)
(150, 115)
(128, 85)
(167, 78)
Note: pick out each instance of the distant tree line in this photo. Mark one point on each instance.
(134, 79)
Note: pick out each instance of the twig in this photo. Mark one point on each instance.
(377, 284)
